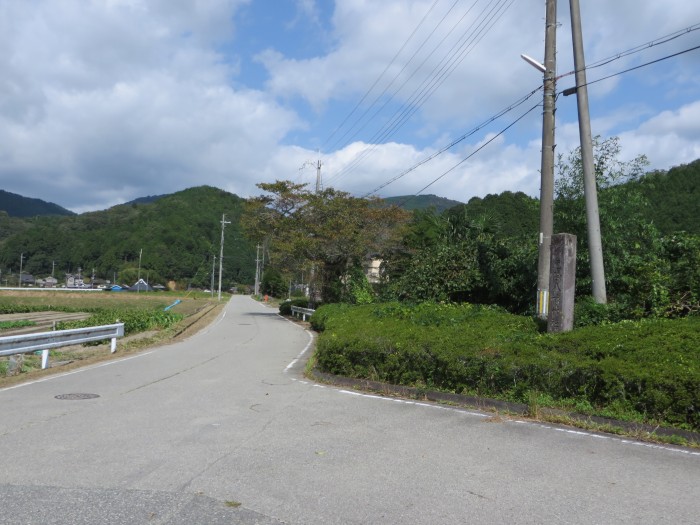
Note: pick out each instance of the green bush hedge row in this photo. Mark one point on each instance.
(647, 370)
(286, 306)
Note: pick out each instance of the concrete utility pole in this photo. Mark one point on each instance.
(224, 222)
(257, 270)
(319, 185)
(21, 260)
(547, 165)
(213, 270)
(595, 246)
(138, 286)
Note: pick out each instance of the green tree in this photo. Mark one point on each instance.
(636, 274)
(462, 256)
(328, 232)
(273, 283)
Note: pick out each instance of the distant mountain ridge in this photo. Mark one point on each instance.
(422, 202)
(18, 206)
(147, 200)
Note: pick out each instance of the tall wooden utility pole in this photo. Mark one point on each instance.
(547, 166)
(595, 246)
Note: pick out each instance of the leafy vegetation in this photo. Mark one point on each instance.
(135, 320)
(645, 371)
(6, 325)
(421, 202)
(286, 306)
(485, 252)
(327, 234)
(174, 238)
(675, 196)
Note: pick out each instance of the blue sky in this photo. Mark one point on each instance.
(104, 101)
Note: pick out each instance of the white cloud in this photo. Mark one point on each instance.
(105, 101)
(667, 139)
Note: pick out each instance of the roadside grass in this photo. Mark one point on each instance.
(146, 324)
(645, 372)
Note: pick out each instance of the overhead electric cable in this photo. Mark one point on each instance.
(472, 153)
(359, 103)
(380, 95)
(640, 66)
(456, 141)
(639, 48)
(445, 67)
(406, 105)
(653, 43)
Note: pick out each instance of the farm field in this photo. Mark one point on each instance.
(146, 322)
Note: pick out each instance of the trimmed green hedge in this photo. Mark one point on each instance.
(286, 306)
(645, 370)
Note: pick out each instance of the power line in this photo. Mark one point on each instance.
(450, 61)
(470, 38)
(477, 150)
(573, 90)
(653, 43)
(456, 141)
(359, 103)
(421, 94)
(508, 127)
(639, 48)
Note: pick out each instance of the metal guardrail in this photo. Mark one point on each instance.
(297, 310)
(44, 341)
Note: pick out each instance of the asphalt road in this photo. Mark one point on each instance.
(223, 429)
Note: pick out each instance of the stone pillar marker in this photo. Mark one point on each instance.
(562, 283)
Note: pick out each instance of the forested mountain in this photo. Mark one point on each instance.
(508, 214)
(17, 206)
(422, 202)
(675, 198)
(178, 235)
(146, 200)
(176, 238)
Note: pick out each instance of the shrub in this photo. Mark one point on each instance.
(648, 370)
(286, 306)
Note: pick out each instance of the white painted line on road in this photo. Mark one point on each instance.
(522, 422)
(306, 348)
(216, 322)
(79, 370)
(414, 403)
(479, 414)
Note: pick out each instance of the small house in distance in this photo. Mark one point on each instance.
(141, 286)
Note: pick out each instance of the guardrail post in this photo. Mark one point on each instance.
(44, 359)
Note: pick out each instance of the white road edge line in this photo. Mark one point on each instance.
(478, 414)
